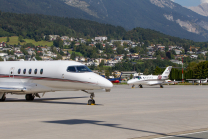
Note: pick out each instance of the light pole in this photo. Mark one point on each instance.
(182, 70)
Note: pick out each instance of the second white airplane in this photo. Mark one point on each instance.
(150, 79)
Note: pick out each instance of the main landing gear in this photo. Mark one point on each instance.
(91, 101)
(161, 86)
(29, 97)
(3, 98)
(140, 86)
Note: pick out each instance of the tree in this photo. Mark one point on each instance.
(119, 50)
(58, 42)
(99, 46)
(59, 57)
(47, 38)
(146, 71)
(101, 64)
(8, 39)
(38, 58)
(20, 38)
(131, 76)
(201, 70)
(73, 56)
(107, 73)
(157, 71)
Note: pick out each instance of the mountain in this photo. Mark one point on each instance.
(161, 15)
(35, 26)
(202, 9)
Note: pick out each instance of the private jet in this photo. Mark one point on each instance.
(150, 79)
(30, 78)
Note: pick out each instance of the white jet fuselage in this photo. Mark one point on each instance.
(151, 79)
(24, 77)
(147, 80)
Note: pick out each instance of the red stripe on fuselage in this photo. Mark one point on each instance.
(42, 78)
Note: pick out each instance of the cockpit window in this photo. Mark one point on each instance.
(78, 69)
(71, 69)
(137, 77)
(83, 69)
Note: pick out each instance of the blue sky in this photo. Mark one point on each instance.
(190, 3)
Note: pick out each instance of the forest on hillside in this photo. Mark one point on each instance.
(35, 26)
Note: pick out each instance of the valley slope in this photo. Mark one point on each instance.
(161, 15)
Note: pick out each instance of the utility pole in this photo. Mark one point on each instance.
(182, 71)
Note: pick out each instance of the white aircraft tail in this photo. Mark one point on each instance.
(167, 71)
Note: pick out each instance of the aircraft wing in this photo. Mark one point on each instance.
(194, 79)
(6, 89)
(20, 86)
(172, 82)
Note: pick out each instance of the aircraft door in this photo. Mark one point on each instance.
(11, 72)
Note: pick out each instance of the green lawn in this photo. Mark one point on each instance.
(140, 62)
(14, 40)
(77, 53)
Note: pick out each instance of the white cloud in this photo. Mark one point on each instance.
(204, 1)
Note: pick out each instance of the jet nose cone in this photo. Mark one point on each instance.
(130, 82)
(104, 83)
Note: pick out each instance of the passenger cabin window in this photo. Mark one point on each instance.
(41, 71)
(71, 69)
(24, 71)
(83, 69)
(30, 71)
(35, 71)
(19, 71)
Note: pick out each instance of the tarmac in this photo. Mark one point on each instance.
(124, 113)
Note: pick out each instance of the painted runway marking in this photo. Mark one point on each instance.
(181, 135)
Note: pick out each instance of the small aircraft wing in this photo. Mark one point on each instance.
(194, 79)
(172, 82)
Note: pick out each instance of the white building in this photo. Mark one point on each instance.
(101, 38)
(3, 54)
(178, 52)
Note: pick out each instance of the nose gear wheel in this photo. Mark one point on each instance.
(91, 101)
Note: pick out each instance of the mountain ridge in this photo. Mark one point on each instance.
(161, 15)
(202, 9)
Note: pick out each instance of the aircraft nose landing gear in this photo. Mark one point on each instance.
(91, 101)
(133, 86)
(161, 86)
(140, 86)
